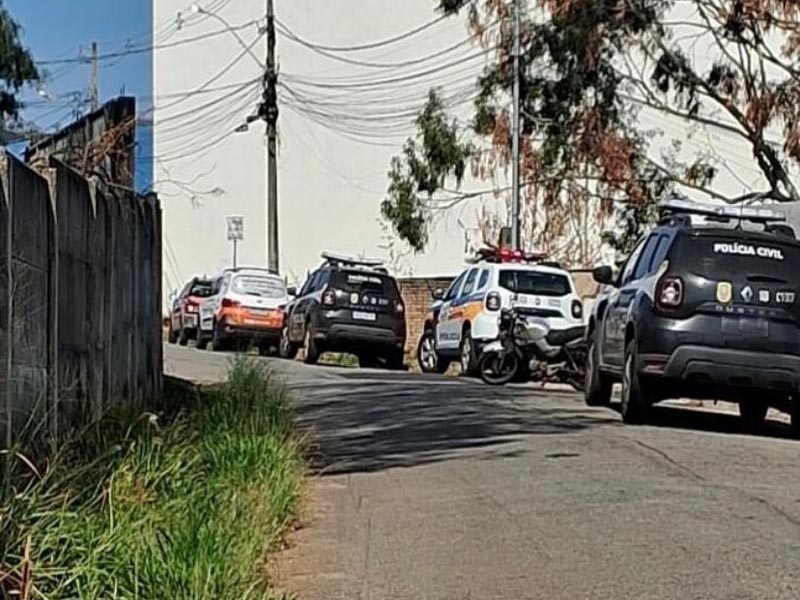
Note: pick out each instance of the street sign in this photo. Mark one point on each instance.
(235, 229)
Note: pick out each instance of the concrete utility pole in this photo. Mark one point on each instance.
(516, 229)
(94, 89)
(269, 112)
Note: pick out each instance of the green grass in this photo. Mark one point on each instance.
(180, 507)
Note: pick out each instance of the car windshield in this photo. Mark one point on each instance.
(715, 256)
(253, 285)
(202, 289)
(534, 282)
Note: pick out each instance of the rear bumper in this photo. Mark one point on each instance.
(346, 335)
(243, 332)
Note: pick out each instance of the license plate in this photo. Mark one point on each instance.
(364, 316)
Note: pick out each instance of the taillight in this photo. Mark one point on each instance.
(399, 307)
(577, 309)
(329, 297)
(669, 293)
(228, 303)
(493, 301)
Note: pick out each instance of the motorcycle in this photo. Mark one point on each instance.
(528, 349)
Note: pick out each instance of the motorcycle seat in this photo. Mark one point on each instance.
(561, 337)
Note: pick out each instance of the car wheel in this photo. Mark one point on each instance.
(172, 336)
(467, 354)
(635, 405)
(183, 337)
(396, 360)
(310, 349)
(427, 358)
(597, 391)
(218, 344)
(367, 361)
(753, 413)
(286, 349)
(202, 340)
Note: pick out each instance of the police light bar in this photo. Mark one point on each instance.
(507, 255)
(678, 205)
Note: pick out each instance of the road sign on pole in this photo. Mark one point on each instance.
(235, 234)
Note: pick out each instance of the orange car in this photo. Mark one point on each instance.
(184, 316)
(246, 306)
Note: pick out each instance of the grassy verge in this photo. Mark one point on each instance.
(181, 506)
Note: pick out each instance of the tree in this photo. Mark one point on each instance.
(591, 66)
(17, 67)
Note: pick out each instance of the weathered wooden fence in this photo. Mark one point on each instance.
(80, 300)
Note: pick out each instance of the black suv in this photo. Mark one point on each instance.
(347, 305)
(705, 307)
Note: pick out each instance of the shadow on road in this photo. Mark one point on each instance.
(712, 422)
(400, 420)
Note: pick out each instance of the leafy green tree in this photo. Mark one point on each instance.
(589, 67)
(17, 67)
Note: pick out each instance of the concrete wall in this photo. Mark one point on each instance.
(80, 300)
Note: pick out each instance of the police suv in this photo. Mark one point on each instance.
(705, 307)
(500, 278)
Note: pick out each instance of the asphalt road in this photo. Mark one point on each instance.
(429, 488)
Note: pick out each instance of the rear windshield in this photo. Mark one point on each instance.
(201, 289)
(720, 256)
(535, 283)
(253, 285)
(369, 283)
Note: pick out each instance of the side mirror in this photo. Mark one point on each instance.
(437, 294)
(603, 275)
(291, 291)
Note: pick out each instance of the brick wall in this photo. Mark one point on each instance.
(416, 292)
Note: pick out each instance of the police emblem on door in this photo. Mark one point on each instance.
(724, 292)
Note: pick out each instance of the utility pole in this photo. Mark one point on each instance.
(269, 112)
(94, 90)
(516, 241)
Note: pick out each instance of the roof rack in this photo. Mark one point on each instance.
(247, 268)
(341, 260)
(678, 210)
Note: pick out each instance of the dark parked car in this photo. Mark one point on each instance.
(347, 305)
(705, 307)
(184, 314)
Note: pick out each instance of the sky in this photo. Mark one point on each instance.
(62, 30)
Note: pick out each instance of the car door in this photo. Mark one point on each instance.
(304, 305)
(448, 315)
(620, 302)
(208, 306)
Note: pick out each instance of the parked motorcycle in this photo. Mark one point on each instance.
(528, 349)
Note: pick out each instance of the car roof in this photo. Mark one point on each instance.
(536, 267)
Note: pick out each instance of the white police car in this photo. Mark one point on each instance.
(501, 279)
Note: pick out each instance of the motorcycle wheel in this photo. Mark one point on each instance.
(498, 374)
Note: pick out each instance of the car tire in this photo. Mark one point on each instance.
(202, 340)
(597, 391)
(183, 338)
(310, 348)
(635, 404)
(172, 335)
(467, 356)
(753, 413)
(427, 357)
(286, 349)
(396, 360)
(218, 344)
(367, 361)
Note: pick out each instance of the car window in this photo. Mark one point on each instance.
(539, 283)
(660, 252)
(306, 286)
(483, 280)
(627, 270)
(217, 286)
(454, 287)
(645, 258)
(469, 284)
(255, 285)
(320, 280)
(365, 282)
(201, 289)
